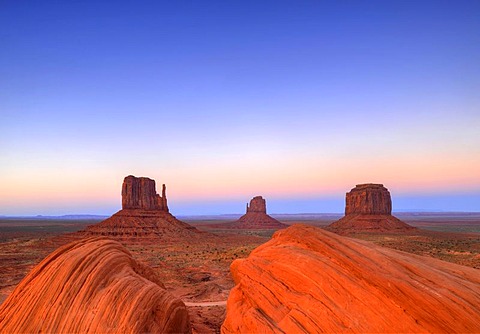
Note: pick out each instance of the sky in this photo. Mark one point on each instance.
(297, 101)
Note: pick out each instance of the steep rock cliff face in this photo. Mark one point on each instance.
(257, 204)
(368, 199)
(368, 208)
(144, 215)
(308, 280)
(92, 286)
(256, 218)
(140, 193)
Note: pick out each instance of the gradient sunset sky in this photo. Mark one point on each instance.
(297, 101)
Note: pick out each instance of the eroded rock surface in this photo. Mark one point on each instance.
(257, 204)
(308, 280)
(136, 225)
(368, 208)
(144, 215)
(140, 193)
(368, 198)
(256, 218)
(92, 286)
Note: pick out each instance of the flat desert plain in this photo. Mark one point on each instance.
(199, 272)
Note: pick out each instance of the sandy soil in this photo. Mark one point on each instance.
(198, 272)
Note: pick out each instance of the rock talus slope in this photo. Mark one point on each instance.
(144, 215)
(92, 286)
(308, 280)
(137, 225)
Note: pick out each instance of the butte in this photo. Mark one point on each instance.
(256, 218)
(368, 208)
(144, 216)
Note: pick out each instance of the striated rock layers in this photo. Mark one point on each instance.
(140, 193)
(368, 208)
(257, 204)
(144, 215)
(137, 225)
(92, 286)
(256, 217)
(370, 198)
(308, 280)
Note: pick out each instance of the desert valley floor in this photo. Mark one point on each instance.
(198, 271)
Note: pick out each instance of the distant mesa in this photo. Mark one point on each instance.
(256, 218)
(368, 208)
(144, 214)
(92, 286)
(308, 280)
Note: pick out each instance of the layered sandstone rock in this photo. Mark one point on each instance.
(137, 225)
(368, 208)
(368, 199)
(257, 204)
(92, 286)
(258, 221)
(140, 193)
(308, 280)
(256, 218)
(144, 215)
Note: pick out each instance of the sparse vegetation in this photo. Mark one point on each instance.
(208, 264)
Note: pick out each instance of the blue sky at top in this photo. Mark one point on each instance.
(297, 101)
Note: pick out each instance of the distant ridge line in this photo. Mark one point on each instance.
(233, 215)
(68, 217)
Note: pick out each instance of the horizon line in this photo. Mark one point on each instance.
(231, 214)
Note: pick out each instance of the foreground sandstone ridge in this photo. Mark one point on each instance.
(92, 286)
(309, 280)
(368, 208)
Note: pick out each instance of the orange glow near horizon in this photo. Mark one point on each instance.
(291, 109)
(283, 180)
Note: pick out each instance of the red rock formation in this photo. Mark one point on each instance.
(368, 208)
(92, 286)
(137, 225)
(140, 193)
(368, 199)
(255, 218)
(257, 204)
(369, 223)
(308, 280)
(144, 215)
(257, 221)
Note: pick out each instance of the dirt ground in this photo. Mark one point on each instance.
(198, 272)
